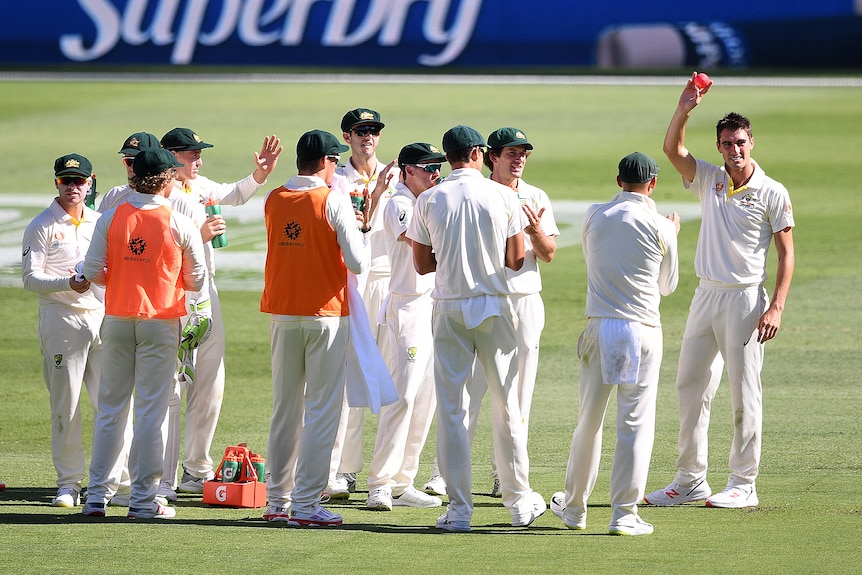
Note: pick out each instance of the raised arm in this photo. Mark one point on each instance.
(674, 141)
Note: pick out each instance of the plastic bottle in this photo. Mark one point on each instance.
(212, 207)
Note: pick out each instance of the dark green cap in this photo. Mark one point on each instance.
(360, 117)
(73, 165)
(137, 141)
(637, 168)
(152, 161)
(317, 144)
(460, 138)
(420, 153)
(183, 139)
(507, 137)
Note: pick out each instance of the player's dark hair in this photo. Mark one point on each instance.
(307, 167)
(488, 163)
(152, 183)
(460, 156)
(733, 122)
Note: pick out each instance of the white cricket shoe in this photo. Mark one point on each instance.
(676, 494)
(734, 497)
(412, 497)
(337, 489)
(435, 485)
(379, 499)
(536, 505)
(638, 527)
(558, 508)
(274, 513)
(446, 524)
(156, 511)
(317, 517)
(66, 497)
(166, 491)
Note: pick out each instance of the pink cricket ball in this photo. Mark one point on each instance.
(702, 81)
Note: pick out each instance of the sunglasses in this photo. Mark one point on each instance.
(362, 132)
(430, 168)
(128, 160)
(72, 180)
(336, 159)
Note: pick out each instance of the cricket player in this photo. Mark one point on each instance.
(70, 315)
(204, 397)
(147, 256)
(363, 176)
(743, 211)
(508, 150)
(313, 229)
(402, 427)
(632, 260)
(469, 229)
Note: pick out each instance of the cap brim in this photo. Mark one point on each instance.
(73, 173)
(379, 125)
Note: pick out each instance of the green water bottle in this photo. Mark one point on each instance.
(212, 207)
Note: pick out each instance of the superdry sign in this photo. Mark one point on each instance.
(185, 27)
(383, 34)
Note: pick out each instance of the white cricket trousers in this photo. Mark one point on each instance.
(529, 322)
(722, 320)
(494, 345)
(139, 357)
(635, 427)
(71, 357)
(347, 456)
(309, 357)
(403, 426)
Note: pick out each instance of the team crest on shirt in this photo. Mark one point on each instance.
(749, 200)
(137, 246)
(58, 360)
(59, 236)
(719, 188)
(411, 354)
(292, 230)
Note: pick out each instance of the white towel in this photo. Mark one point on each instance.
(478, 309)
(369, 383)
(620, 349)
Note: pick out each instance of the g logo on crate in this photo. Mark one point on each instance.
(221, 493)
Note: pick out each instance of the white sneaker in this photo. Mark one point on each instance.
(166, 491)
(379, 499)
(93, 509)
(435, 485)
(676, 494)
(66, 497)
(318, 517)
(337, 489)
(444, 523)
(190, 483)
(536, 505)
(412, 497)
(639, 527)
(349, 480)
(734, 497)
(496, 491)
(156, 511)
(275, 513)
(558, 508)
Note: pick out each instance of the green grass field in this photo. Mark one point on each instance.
(810, 514)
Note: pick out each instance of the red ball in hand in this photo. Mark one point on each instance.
(702, 81)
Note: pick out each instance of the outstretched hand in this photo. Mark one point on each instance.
(691, 94)
(266, 160)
